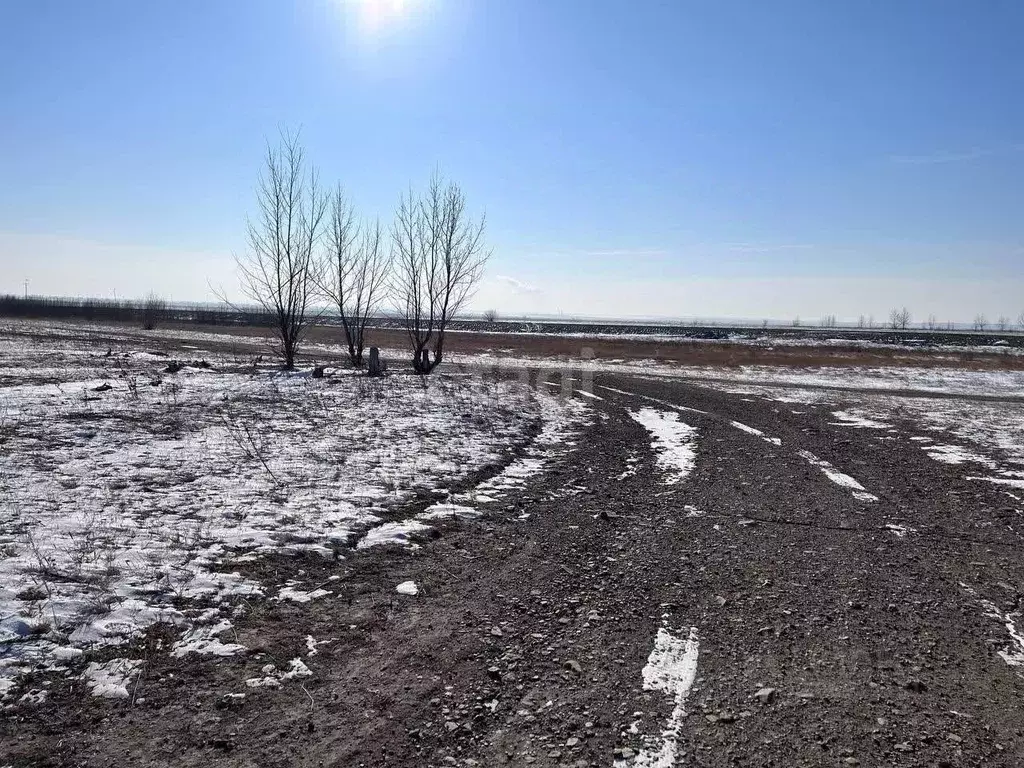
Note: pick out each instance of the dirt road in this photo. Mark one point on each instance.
(819, 596)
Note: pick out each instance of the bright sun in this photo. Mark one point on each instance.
(375, 15)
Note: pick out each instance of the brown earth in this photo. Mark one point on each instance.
(681, 352)
(526, 643)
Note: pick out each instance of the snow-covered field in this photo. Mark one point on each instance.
(127, 492)
(979, 422)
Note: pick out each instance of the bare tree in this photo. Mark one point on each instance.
(899, 319)
(439, 259)
(1003, 322)
(279, 270)
(932, 322)
(1020, 321)
(354, 272)
(490, 315)
(153, 308)
(980, 322)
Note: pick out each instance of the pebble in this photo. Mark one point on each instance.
(765, 695)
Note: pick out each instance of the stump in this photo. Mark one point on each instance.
(375, 367)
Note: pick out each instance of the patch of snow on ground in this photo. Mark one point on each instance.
(956, 454)
(673, 441)
(837, 477)
(1014, 654)
(298, 596)
(756, 433)
(671, 668)
(111, 678)
(851, 419)
(120, 508)
(204, 641)
(274, 677)
(407, 588)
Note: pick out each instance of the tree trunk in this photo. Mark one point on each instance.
(375, 368)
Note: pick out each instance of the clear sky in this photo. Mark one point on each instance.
(679, 158)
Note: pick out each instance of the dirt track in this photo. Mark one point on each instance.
(526, 643)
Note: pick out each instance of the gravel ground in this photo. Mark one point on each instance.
(833, 629)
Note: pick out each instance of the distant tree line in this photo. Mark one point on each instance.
(148, 312)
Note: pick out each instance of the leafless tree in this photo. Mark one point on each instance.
(1003, 323)
(828, 321)
(490, 315)
(980, 322)
(899, 319)
(439, 259)
(278, 272)
(153, 307)
(354, 272)
(932, 322)
(1020, 321)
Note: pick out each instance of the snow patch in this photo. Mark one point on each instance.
(850, 419)
(298, 596)
(672, 668)
(756, 433)
(111, 678)
(407, 588)
(837, 477)
(274, 677)
(673, 440)
(204, 641)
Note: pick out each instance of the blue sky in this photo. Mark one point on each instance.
(711, 158)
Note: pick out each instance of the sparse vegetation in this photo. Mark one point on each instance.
(154, 307)
(278, 272)
(354, 272)
(900, 319)
(439, 259)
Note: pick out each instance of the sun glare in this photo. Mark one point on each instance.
(377, 15)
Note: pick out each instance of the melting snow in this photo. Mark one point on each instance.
(204, 640)
(756, 433)
(298, 596)
(850, 419)
(671, 667)
(955, 454)
(111, 678)
(407, 588)
(837, 477)
(273, 677)
(673, 441)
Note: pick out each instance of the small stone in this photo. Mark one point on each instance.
(904, 746)
(765, 695)
(496, 631)
(574, 666)
(572, 741)
(451, 726)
